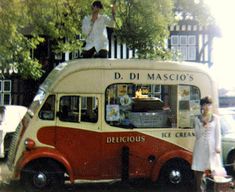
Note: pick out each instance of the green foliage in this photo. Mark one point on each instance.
(57, 19)
(14, 46)
(198, 9)
(142, 25)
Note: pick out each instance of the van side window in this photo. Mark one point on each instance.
(89, 109)
(69, 109)
(151, 105)
(47, 111)
(141, 105)
(189, 105)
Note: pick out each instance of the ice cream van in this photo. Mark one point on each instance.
(106, 120)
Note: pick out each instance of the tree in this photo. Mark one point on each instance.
(194, 9)
(23, 23)
(142, 25)
(14, 46)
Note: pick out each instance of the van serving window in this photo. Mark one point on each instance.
(189, 105)
(148, 105)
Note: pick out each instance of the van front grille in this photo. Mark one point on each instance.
(12, 150)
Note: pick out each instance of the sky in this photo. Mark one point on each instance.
(224, 52)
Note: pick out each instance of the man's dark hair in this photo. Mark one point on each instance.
(206, 100)
(97, 4)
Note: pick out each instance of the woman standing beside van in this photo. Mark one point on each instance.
(207, 148)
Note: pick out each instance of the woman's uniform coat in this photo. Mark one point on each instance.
(208, 140)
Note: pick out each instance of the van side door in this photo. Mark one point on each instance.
(78, 132)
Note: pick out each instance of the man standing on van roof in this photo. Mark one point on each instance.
(94, 27)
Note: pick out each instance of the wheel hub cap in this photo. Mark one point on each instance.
(40, 180)
(175, 176)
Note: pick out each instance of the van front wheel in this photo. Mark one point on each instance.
(46, 176)
(177, 172)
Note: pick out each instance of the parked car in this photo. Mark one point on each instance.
(10, 116)
(228, 138)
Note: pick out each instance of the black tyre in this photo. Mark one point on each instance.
(231, 164)
(43, 175)
(177, 172)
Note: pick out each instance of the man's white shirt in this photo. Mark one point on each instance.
(96, 33)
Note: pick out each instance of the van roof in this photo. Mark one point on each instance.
(129, 64)
(66, 68)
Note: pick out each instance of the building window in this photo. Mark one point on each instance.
(75, 55)
(5, 92)
(185, 45)
(58, 56)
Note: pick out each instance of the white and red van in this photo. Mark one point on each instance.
(101, 119)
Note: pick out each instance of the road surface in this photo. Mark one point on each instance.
(134, 186)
